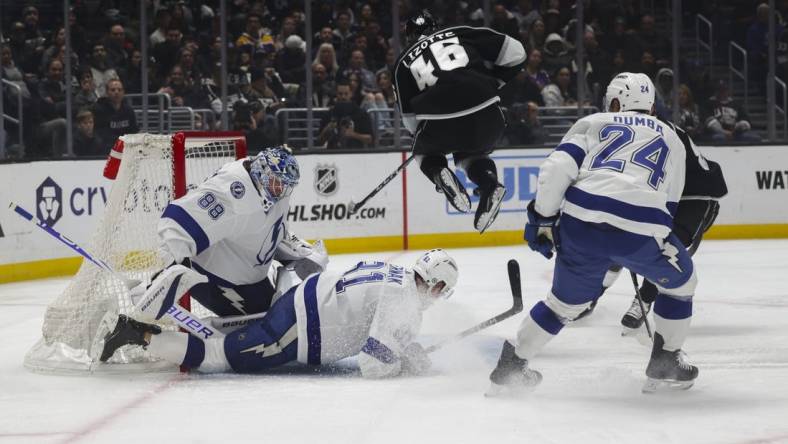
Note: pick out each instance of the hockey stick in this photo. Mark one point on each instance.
(517, 306)
(355, 207)
(640, 302)
(185, 319)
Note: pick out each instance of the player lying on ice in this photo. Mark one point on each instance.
(373, 310)
(616, 178)
(229, 230)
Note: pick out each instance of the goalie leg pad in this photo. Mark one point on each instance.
(167, 288)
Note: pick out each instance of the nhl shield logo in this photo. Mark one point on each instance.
(49, 202)
(326, 180)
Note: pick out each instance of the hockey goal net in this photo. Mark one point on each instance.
(149, 171)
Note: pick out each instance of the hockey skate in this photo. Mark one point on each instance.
(668, 369)
(447, 183)
(512, 374)
(489, 205)
(127, 332)
(634, 317)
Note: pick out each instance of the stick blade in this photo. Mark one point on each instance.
(513, 268)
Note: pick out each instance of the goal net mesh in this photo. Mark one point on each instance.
(126, 239)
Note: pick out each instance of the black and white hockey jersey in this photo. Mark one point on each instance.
(454, 72)
(704, 179)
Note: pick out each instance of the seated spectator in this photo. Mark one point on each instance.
(259, 128)
(49, 140)
(191, 70)
(726, 119)
(663, 96)
(322, 88)
(254, 35)
(116, 46)
(390, 62)
(536, 35)
(342, 32)
(520, 90)
(504, 22)
(559, 92)
(266, 87)
(86, 95)
(12, 74)
(34, 38)
(648, 39)
(288, 28)
(523, 126)
(386, 88)
(325, 35)
(526, 14)
(365, 100)
(99, 67)
(182, 91)
(114, 116)
(290, 60)
(648, 65)
(166, 54)
(131, 75)
(534, 71)
(357, 65)
(327, 56)
(86, 143)
(346, 125)
(163, 19)
(689, 116)
(555, 54)
(56, 49)
(52, 91)
(377, 46)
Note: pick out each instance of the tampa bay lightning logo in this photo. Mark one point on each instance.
(49, 202)
(237, 189)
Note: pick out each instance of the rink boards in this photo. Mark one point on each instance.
(407, 214)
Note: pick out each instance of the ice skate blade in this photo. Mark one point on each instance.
(486, 220)
(460, 200)
(665, 385)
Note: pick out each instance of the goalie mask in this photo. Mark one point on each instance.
(274, 172)
(439, 272)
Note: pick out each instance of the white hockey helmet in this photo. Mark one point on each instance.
(634, 91)
(434, 267)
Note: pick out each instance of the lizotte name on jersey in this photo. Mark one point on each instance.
(421, 45)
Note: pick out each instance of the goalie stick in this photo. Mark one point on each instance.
(185, 319)
(513, 269)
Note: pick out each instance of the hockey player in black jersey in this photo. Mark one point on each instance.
(447, 82)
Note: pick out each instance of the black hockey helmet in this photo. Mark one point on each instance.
(420, 24)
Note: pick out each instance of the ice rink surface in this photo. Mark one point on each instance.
(590, 393)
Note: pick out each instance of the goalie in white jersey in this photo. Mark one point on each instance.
(220, 239)
(373, 310)
(607, 195)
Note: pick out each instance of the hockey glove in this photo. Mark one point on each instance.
(540, 232)
(415, 360)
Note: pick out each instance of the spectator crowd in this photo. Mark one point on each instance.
(352, 60)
